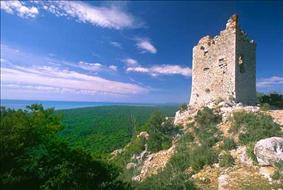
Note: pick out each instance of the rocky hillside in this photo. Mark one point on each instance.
(221, 146)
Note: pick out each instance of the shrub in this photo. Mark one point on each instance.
(183, 107)
(167, 179)
(160, 132)
(279, 165)
(276, 175)
(206, 126)
(265, 107)
(226, 160)
(181, 159)
(228, 144)
(254, 126)
(158, 141)
(273, 99)
(201, 156)
(207, 117)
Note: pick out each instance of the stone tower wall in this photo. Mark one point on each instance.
(245, 69)
(216, 72)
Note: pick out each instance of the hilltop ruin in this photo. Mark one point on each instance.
(224, 67)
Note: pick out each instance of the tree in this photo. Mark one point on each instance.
(33, 156)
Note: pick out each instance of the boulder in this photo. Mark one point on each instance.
(269, 151)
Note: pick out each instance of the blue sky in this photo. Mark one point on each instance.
(124, 51)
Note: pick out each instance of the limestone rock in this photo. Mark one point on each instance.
(269, 150)
(154, 162)
(267, 172)
(223, 181)
(143, 134)
(241, 156)
(116, 152)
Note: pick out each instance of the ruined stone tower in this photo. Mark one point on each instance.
(224, 67)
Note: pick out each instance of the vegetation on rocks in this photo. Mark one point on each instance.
(160, 132)
(225, 159)
(254, 126)
(228, 144)
(189, 154)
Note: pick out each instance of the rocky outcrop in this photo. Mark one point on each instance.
(154, 162)
(224, 108)
(269, 151)
(241, 156)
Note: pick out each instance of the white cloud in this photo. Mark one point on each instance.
(162, 70)
(116, 44)
(96, 67)
(130, 62)
(106, 17)
(90, 66)
(267, 82)
(145, 45)
(19, 8)
(62, 79)
(113, 67)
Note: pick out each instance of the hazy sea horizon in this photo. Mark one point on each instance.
(60, 105)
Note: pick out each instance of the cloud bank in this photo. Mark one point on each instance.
(62, 80)
(19, 8)
(113, 17)
(162, 70)
(268, 82)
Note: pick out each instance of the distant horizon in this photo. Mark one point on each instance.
(153, 103)
(93, 101)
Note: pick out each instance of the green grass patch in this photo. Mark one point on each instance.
(254, 126)
(228, 144)
(226, 160)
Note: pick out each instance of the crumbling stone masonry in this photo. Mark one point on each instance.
(224, 67)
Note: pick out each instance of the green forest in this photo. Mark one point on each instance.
(101, 130)
(48, 149)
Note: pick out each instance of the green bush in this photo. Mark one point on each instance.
(181, 159)
(158, 141)
(265, 107)
(226, 160)
(229, 144)
(201, 156)
(279, 165)
(167, 179)
(160, 132)
(276, 175)
(205, 127)
(183, 107)
(206, 117)
(254, 126)
(272, 99)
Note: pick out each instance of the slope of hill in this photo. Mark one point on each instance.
(103, 129)
(222, 146)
